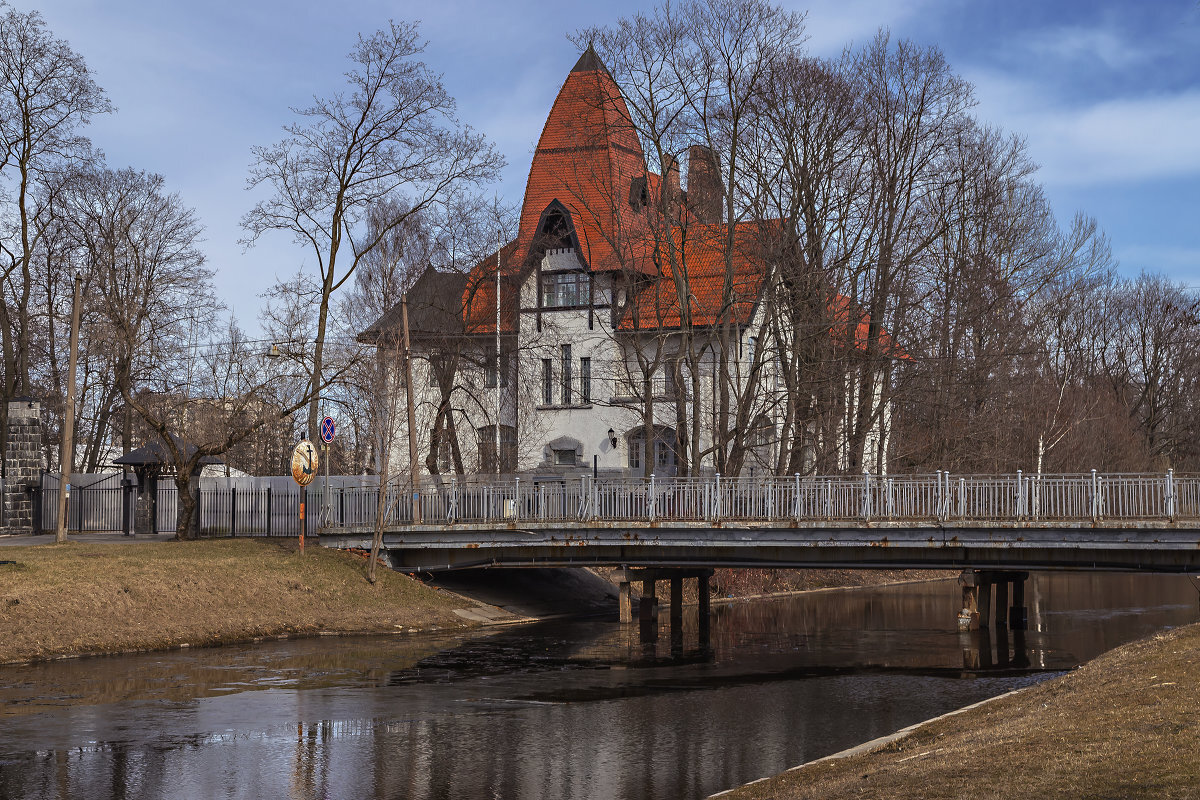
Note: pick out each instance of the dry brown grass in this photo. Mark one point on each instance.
(103, 598)
(1126, 725)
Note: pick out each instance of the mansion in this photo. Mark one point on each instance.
(625, 331)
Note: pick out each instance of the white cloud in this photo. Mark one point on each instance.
(1086, 44)
(1110, 141)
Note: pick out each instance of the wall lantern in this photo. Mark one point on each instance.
(612, 438)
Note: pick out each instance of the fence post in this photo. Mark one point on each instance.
(517, 498)
(1095, 498)
(1020, 500)
(796, 479)
(937, 498)
(232, 511)
(716, 504)
(866, 495)
(1171, 494)
(962, 498)
(650, 501)
(268, 509)
(889, 505)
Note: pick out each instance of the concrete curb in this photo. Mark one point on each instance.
(874, 744)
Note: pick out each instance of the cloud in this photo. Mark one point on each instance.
(1086, 44)
(1115, 140)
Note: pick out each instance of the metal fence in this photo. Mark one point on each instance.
(270, 506)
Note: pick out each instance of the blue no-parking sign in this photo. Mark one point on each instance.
(328, 430)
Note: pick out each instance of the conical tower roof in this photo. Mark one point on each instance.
(587, 160)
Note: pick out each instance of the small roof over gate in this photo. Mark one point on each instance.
(156, 454)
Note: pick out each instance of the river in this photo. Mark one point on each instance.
(562, 709)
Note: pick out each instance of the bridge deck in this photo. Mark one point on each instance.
(1107, 545)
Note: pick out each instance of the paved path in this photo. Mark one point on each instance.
(22, 539)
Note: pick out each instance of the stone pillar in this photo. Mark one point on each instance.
(22, 465)
(703, 603)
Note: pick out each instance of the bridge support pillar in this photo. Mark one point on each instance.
(625, 602)
(676, 601)
(703, 600)
(1002, 604)
(649, 604)
(1018, 615)
(985, 600)
(968, 617)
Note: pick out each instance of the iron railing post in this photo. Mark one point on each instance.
(866, 495)
(1020, 499)
(651, 500)
(796, 478)
(1170, 498)
(1095, 498)
(962, 498)
(716, 505)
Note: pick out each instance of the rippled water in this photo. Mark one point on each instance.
(576, 709)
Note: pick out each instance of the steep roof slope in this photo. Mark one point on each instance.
(587, 159)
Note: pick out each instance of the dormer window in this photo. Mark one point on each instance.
(638, 196)
(561, 289)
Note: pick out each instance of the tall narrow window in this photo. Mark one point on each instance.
(566, 374)
(585, 380)
(547, 381)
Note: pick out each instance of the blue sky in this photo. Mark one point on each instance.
(1107, 94)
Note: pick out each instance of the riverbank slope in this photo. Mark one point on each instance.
(1124, 725)
(77, 599)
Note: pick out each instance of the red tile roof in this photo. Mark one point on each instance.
(586, 159)
(701, 272)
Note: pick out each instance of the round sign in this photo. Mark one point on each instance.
(304, 463)
(328, 430)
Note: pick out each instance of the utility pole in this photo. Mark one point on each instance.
(412, 414)
(499, 393)
(67, 456)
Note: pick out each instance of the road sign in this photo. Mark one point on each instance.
(304, 463)
(328, 430)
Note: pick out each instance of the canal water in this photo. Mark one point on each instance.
(565, 709)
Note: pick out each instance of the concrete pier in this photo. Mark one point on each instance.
(977, 608)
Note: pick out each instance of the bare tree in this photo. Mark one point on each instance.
(47, 94)
(392, 137)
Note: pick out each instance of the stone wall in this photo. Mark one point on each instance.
(22, 464)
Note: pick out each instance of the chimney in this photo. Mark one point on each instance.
(671, 187)
(705, 195)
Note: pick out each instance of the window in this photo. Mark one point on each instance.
(585, 380)
(566, 374)
(547, 382)
(564, 458)
(664, 463)
(638, 196)
(487, 449)
(565, 289)
(490, 370)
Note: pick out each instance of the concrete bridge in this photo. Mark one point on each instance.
(994, 528)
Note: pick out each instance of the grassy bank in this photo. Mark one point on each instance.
(1126, 725)
(75, 598)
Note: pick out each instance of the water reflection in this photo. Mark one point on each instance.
(583, 709)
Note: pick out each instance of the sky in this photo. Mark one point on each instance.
(1107, 94)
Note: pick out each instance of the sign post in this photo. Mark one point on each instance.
(328, 431)
(304, 467)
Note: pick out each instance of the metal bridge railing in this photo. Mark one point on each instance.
(941, 497)
(270, 506)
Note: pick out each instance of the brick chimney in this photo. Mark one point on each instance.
(705, 194)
